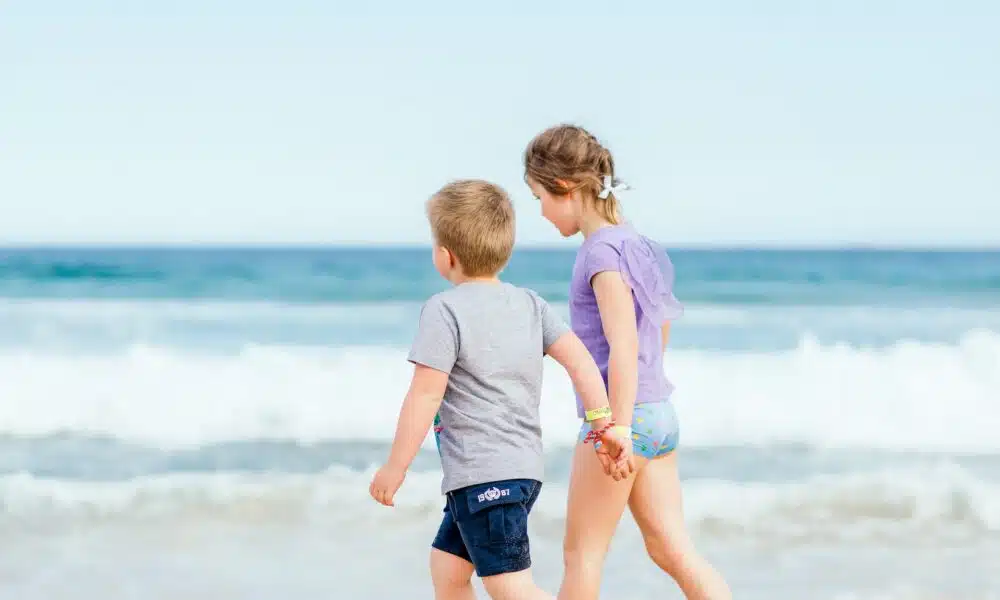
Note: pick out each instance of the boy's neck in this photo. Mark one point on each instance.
(460, 279)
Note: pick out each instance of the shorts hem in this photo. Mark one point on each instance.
(511, 566)
(450, 551)
(663, 453)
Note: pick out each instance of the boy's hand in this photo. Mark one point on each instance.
(386, 483)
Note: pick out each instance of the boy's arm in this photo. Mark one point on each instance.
(559, 342)
(417, 415)
(415, 418)
(570, 352)
(616, 453)
(433, 354)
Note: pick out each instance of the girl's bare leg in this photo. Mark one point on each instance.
(655, 502)
(596, 503)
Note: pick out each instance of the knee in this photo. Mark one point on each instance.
(450, 578)
(577, 557)
(668, 556)
(450, 572)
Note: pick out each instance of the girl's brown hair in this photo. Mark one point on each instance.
(569, 155)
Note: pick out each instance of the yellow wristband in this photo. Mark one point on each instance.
(598, 413)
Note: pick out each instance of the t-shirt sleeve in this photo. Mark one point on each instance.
(601, 257)
(646, 270)
(553, 326)
(436, 342)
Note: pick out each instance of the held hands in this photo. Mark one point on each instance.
(614, 450)
(613, 445)
(386, 483)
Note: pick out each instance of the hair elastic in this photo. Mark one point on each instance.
(612, 186)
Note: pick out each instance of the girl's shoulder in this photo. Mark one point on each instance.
(618, 240)
(607, 240)
(643, 264)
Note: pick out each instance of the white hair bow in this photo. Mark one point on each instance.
(610, 187)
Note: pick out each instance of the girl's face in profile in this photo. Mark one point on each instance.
(560, 210)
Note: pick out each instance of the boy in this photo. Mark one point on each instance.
(477, 359)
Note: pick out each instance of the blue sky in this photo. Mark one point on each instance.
(323, 122)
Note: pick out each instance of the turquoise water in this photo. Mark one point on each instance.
(373, 275)
(837, 407)
(226, 298)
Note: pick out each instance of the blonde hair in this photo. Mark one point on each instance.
(570, 155)
(474, 219)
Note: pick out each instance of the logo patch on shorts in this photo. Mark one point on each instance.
(488, 495)
(494, 493)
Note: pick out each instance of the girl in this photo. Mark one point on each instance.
(621, 304)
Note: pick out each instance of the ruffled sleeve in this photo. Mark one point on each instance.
(647, 269)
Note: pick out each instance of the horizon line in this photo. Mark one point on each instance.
(704, 246)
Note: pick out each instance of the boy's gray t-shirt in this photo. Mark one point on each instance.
(490, 337)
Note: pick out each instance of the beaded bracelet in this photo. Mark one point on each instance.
(595, 435)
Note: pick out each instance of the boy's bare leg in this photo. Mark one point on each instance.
(452, 576)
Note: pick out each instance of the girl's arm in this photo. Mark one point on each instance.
(665, 333)
(614, 301)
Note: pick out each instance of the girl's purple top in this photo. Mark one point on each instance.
(645, 267)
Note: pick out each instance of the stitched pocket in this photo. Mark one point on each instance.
(497, 512)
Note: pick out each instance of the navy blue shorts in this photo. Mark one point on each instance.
(487, 525)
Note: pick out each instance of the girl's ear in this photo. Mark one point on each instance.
(567, 187)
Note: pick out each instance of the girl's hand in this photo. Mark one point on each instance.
(615, 453)
(625, 464)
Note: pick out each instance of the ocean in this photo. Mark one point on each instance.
(204, 422)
